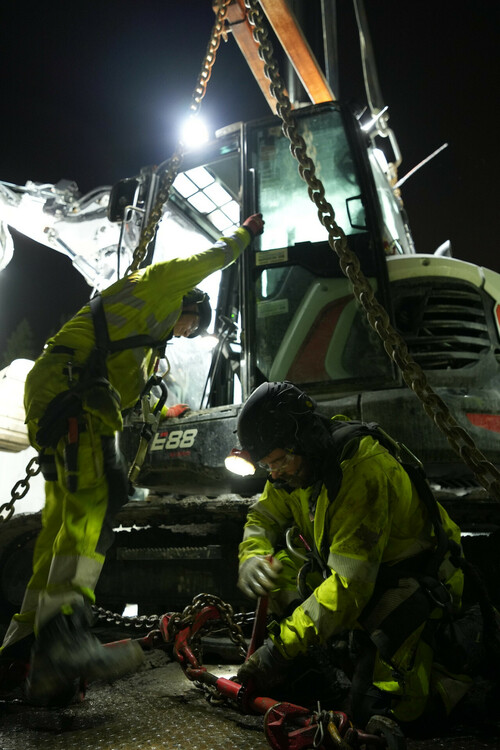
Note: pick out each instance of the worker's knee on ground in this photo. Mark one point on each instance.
(367, 702)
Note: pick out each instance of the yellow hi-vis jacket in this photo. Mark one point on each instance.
(377, 517)
(148, 302)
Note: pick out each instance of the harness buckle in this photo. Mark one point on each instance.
(437, 592)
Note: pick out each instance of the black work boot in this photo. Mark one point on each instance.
(66, 652)
(14, 670)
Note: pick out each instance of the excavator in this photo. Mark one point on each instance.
(291, 309)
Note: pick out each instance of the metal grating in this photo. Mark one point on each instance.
(444, 328)
(155, 709)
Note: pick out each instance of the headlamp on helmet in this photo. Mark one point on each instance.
(272, 417)
(239, 462)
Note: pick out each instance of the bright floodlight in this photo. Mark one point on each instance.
(238, 462)
(194, 132)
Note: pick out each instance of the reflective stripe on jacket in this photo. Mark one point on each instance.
(147, 302)
(377, 517)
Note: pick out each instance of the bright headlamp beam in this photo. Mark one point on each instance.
(239, 465)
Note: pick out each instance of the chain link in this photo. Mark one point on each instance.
(177, 621)
(141, 622)
(229, 623)
(461, 442)
(7, 509)
(169, 174)
(227, 618)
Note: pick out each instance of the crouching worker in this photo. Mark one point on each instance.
(383, 563)
(95, 367)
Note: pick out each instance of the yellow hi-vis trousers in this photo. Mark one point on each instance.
(421, 679)
(76, 527)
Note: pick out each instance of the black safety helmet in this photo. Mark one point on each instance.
(276, 415)
(203, 309)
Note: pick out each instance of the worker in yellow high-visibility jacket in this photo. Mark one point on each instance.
(383, 565)
(94, 368)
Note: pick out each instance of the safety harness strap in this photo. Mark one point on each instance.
(406, 592)
(67, 405)
(345, 437)
(103, 341)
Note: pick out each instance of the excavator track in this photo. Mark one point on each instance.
(169, 549)
(160, 559)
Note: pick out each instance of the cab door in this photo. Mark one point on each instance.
(301, 321)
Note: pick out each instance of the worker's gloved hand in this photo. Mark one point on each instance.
(265, 668)
(177, 410)
(254, 224)
(258, 575)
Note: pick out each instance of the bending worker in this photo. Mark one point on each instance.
(386, 557)
(94, 368)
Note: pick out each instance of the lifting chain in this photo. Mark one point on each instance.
(228, 622)
(177, 621)
(142, 622)
(234, 622)
(7, 509)
(395, 346)
(169, 174)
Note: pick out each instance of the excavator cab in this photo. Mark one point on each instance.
(289, 296)
(287, 311)
(303, 321)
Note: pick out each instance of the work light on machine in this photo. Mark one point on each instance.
(239, 462)
(194, 132)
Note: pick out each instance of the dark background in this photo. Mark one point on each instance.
(92, 92)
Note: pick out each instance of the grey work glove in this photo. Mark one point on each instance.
(258, 575)
(265, 668)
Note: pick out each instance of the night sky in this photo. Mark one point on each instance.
(92, 92)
